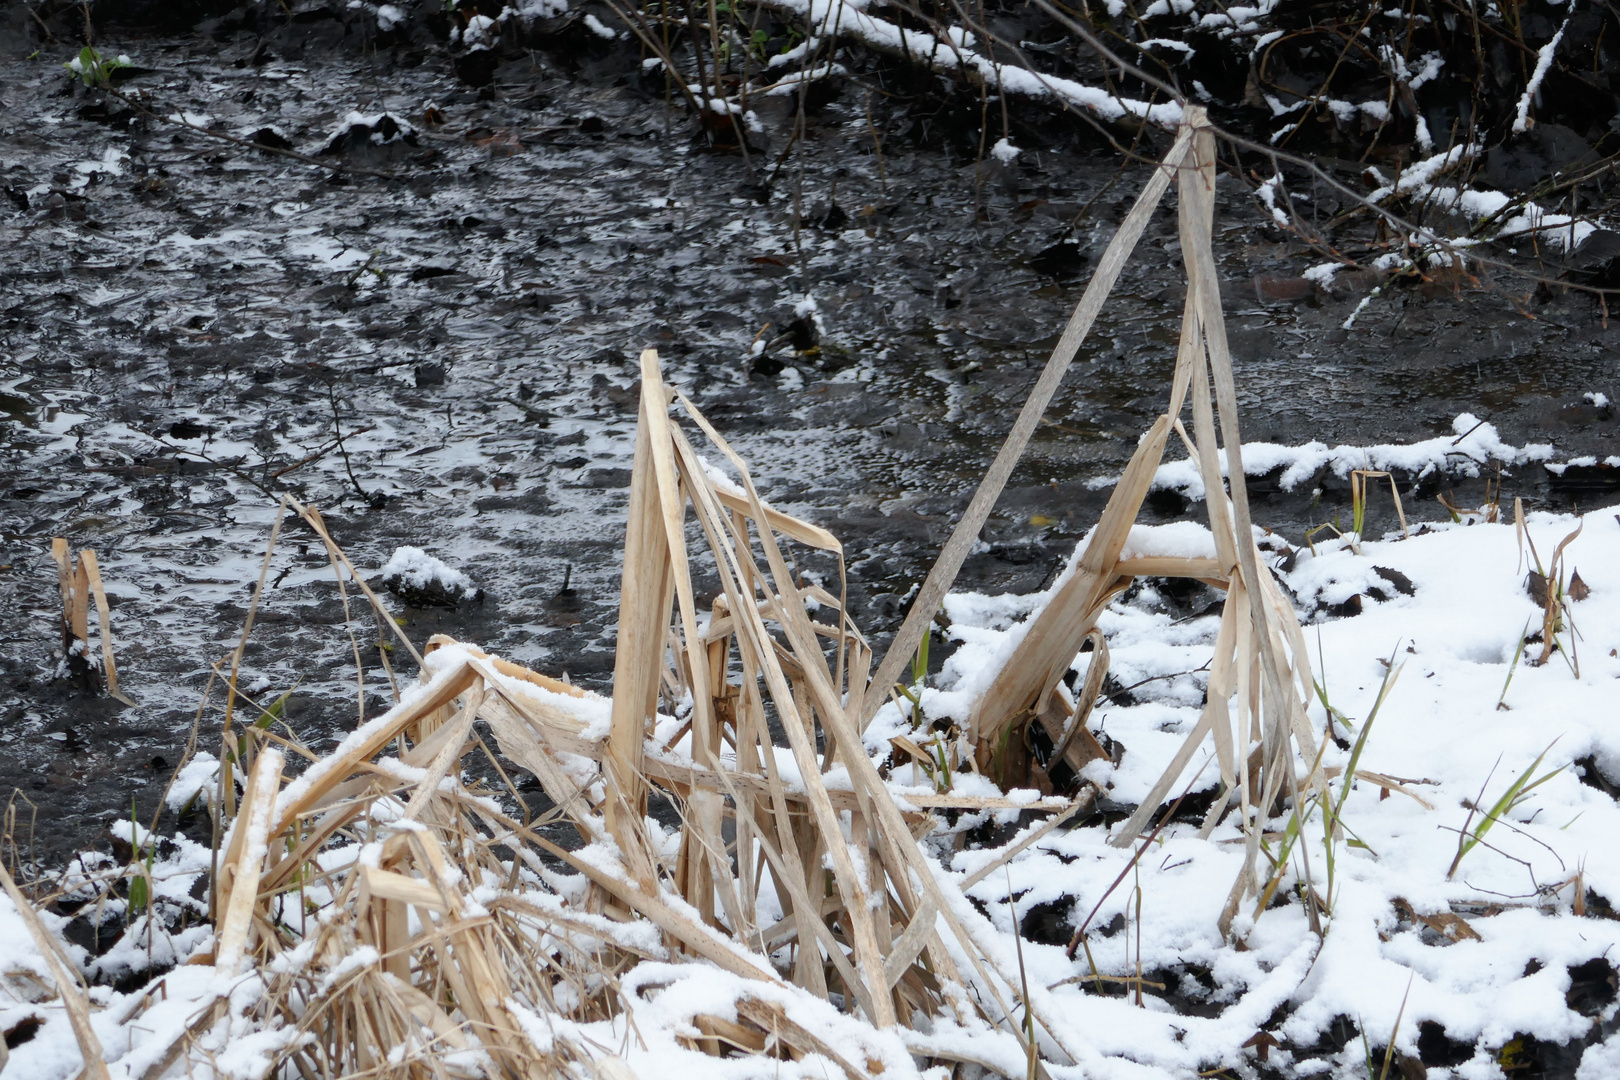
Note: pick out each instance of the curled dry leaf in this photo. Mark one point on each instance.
(1262, 1042)
(1578, 589)
(1536, 585)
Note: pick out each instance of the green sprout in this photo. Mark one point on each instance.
(93, 69)
(1517, 792)
(140, 888)
(919, 676)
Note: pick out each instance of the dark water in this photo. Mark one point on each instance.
(181, 320)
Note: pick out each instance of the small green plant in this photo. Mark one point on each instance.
(93, 69)
(140, 882)
(1373, 1072)
(1333, 808)
(1517, 793)
(1333, 818)
(276, 709)
(1028, 1032)
(1310, 533)
(1551, 591)
(942, 765)
(936, 751)
(1359, 495)
(1513, 665)
(919, 675)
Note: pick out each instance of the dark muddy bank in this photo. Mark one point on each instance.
(444, 356)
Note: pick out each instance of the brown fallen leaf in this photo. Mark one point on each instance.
(1578, 589)
(1447, 924)
(1262, 1042)
(1536, 585)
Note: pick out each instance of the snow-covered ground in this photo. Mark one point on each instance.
(1452, 727)
(1409, 949)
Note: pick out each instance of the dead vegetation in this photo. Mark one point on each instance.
(380, 912)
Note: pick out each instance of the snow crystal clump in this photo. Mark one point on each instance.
(421, 580)
(480, 30)
(1473, 444)
(359, 130)
(198, 777)
(542, 9)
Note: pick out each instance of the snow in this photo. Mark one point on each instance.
(1004, 151)
(1474, 445)
(1267, 193)
(1322, 273)
(416, 569)
(1440, 725)
(955, 52)
(600, 29)
(480, 30)
(1467, 713)
(195, 780)
(1562, 230)
(374, 123)
(1532, 89)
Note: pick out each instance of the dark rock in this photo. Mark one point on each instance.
(1599, 477)
(270, 137)
(1062, 260)
(1345, 610)
(367, 133)
(1437, 1049)
(1594, 777)
(766, 366)
(1049, 923)
(1592, 986)
(189, 429)
(829, 216)
(476, 67)
(1401, 583)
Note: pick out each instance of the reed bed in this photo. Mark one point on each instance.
(377, 912)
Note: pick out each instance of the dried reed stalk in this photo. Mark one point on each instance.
(80, 583)
(401, 973)
(68, 987)
(966, 533)
(1259, 653)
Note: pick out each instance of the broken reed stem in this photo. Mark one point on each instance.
(228, 796)
(348, 619)
(873, 920)
(68, 987)
(966, 533)
(80, 583)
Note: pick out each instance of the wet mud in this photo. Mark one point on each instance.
(441, 352)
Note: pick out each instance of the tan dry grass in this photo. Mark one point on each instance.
(404, 924)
